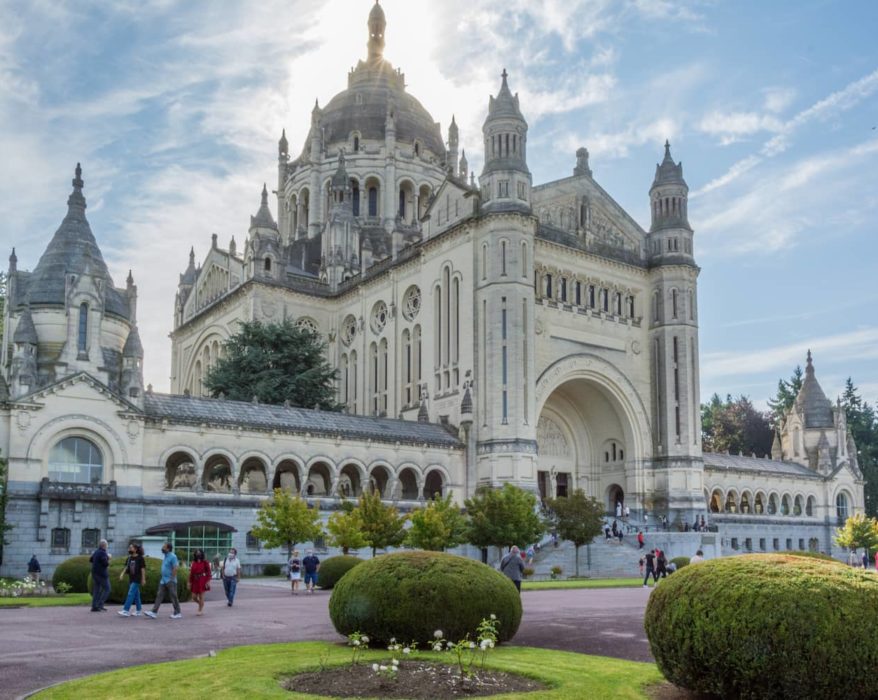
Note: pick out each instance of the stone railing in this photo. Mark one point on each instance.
(70, 491)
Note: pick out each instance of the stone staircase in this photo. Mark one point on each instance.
(607, 559)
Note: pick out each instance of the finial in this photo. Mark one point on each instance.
(808, 357)
(130, 279)
(77, 180)
(264, 192)
(192, 255)
(504, 75)
(13, 258)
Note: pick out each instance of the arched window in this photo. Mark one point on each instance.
(841, 506)
(809, 507)
(674, 303)
(655, 306)
(356, 143)
(503, 258)
(267, 266)
(523, 259)
(401, 203)
(82, 343)
(373, 201)
(484, 261)
(76, 460)
(355, 197)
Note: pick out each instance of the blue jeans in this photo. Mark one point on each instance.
(230, 584)
(100, 591)
(133, 597)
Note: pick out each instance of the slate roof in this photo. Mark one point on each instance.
(299, 420)
(812, 402)
(669, 172)
(716, 461)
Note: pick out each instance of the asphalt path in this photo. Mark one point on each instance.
(43, 646)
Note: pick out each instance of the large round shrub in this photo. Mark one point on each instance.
(766, 626)
(410, 595)
(332, 569)
(74, 572)
(680, 562)
(119, 589)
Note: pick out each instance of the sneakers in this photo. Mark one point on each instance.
(176, 616)
(150, 614)
(137, 614)
(124, 613)
(645, 585)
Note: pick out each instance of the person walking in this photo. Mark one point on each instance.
(100, 577)
(199, 579)
(135, 569)
(513, 567)
(33, 569)
(231, 574)
(295, 572)
(853, 559)
(530, 555)
(640, 540)
(661, 564)
(865, 559)
(311, 564)
(167, 584)
(649, 558)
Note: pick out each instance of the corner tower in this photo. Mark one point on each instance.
(676, 401)
(505, 179)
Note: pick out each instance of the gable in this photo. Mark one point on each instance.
(452, 203)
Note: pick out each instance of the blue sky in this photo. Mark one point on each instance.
(174, 110)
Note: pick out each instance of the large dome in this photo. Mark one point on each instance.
(374, 91)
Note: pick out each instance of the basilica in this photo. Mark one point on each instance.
(485, 330)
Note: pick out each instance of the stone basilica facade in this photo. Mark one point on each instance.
(485, 331)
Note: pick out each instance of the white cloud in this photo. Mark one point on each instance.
(777, 99)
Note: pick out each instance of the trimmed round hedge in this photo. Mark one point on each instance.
(766, 626)
(332, 569)
(74, 572)
(119, 589)
(410, 595)
(680, 562)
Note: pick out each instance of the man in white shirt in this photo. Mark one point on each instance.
(231, 574)
(698, 558)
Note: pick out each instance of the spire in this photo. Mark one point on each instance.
(263, 218)
(129, 281)
(776, 449)
(423, 414)
(505, 104)
(76, 199)
(811, 401)
(13, 261)
(25, 332)
(340, 181)
(283, 146)
(377, 24)
(669, 172)
(453, 133)
(133, 347)
(464, 165)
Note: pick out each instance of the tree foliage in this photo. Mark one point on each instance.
(285, 520)
(579, 519)
(503, 517)
(734, 426)
(438, 526)
(346, 530)
(862, 423)
(275, 363)
(382, 524)
(787, 390)
(4, 497)
(859, 532)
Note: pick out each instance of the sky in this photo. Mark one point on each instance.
(175, 108)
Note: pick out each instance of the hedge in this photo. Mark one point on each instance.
(766, 626)
(119, 589)
(680, 562)
(74, 572)
(271, 570)
(410, 595)
(332, 569)
(812, 555)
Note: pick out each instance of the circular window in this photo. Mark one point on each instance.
(411, 303)
(307, 324)
(379, 317)
(349, 330)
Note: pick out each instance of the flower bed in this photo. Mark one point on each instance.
(26, 588)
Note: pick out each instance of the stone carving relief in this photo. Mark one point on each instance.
(551, 439)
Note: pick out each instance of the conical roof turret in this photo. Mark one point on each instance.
(133, 346)
(72, 250)
(812, 402)
(505, 104)
(263, 218)
(25, 331)
(668, 172)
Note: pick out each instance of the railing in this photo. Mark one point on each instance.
(70, 491)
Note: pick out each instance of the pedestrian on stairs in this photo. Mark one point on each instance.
(640, 539)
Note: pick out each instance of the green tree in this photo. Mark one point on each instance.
(346, 530)
(4, 497)
(862, 423)
(787, 391)
(285, 520)
(275, 363)
(503, 517)
(437, 527)
(734, 425)
(383, 526)
(858, 532)
(579, 519)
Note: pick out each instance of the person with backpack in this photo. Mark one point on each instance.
(135, 570)
(295, 572)
(33, 569)
(649, 558)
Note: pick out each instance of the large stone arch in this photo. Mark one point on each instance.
(596, 405)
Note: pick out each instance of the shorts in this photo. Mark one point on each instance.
(311, 578)
(295, 576)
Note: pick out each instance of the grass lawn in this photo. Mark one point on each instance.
(254, 671)
(582, 583)
(46, 601)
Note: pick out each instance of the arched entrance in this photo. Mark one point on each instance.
(615, 500)
(591, 432)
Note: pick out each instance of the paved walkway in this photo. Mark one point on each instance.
(42, 646)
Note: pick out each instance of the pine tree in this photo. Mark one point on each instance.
(785, 397)
(274, 363)
(862, 423)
